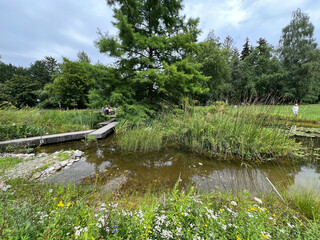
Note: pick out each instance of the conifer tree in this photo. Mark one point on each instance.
(152, 47)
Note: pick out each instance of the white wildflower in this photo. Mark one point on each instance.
(166, 234)
(291, 226)
(257, 200)
(233, 203)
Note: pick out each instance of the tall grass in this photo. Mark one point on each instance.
(34, 122)
(213, 130)
(306, 201)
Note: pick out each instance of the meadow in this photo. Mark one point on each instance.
(307, 112)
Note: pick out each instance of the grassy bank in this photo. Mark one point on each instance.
(211, 130)
(34, 211)
(307, 113)
(34, 122)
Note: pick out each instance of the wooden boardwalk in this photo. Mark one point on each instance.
(62, 137)
(104, 131)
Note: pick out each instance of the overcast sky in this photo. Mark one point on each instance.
(33, 29)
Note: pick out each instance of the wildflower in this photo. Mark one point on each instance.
(266, 235)
(60, 204)
(238, 238)
(182, 213)
(221, 210)
(206, 225)
(253, 208)
(274, 215)
(257, 200)
(291, 226)
(233, 203)
(200, 163)
(166, 234)
(68, 204)
(13, 124)
(54, 198)
(50, 190)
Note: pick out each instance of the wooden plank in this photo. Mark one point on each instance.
(104, 131)
(46, 139)
(106, 122)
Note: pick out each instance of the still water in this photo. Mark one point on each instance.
(140, 172)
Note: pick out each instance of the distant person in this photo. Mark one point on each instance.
(103, 110)
(107, 110)
(295, 109)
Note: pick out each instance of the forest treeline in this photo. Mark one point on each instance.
(159, 62)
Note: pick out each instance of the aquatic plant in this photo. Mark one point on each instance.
(212, 130)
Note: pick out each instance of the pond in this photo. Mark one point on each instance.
(140, 172)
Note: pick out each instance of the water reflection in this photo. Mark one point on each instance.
(158, 170)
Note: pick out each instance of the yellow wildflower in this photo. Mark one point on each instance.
(265, 236)
(206, 225)
(274, 215)
(68, 204)
(253, 208)
(54, 198)
(182, 213)
(221, 210)
(265, 209)
(60, 204)
(238, 238)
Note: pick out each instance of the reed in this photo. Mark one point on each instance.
(213, 130)
(306, 201)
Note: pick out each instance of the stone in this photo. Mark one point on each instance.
(57, 166)
(49, 169)
(64, 163)
(36, 175)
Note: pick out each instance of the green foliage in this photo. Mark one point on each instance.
(298, 53)
(213, 130)
(214, 61)
(34, 122)
(72, 86)
(8, 162)
(19, 91)
(152, 46)
(75, 212)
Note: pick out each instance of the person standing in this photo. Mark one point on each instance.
(295, 109)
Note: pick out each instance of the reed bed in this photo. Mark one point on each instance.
(212, 130)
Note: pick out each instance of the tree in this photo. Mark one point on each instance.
(214, 61)
(151, 48)
(298, 53)
(263, 74)
(42, 71)
(71, 87)
(19, 91)
(246, 50)
(83, 57)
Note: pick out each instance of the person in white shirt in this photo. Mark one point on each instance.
(295, 109)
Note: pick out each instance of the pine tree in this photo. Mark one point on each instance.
(152, 47)
(246, 50)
